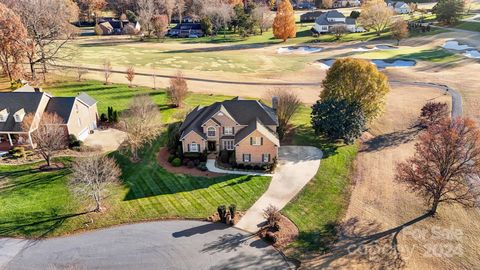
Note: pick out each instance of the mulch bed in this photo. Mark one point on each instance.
(52, 167)
(162, 159)
(288, 232)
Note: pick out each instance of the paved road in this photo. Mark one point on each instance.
(152, 245)
(297, 166)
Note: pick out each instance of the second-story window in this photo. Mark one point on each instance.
(211, 132)
(228, 130)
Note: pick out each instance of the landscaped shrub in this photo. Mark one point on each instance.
(241, 166)
(202, 167)
(196, 161)
(221, 209)
(103, 118)
(204, 156)
(176, 162)
(73, 141)
(248, 167)
(271, 237)
(232, 208)
(190, 164)
(17, 152)
(232, 159)
(170, 158)
(224, 156)
(173, 135)
(186, 161)
(257, 168)
(272, 215)
(192, 155)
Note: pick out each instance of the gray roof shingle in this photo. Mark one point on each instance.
(85, 98)
(62, 106)
(15, 101)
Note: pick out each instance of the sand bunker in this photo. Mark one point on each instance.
(298, 49)
(472, 54)
(376, 48)
(454, 45)
(379, 63)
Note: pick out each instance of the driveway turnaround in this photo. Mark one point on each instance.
(152, 245)
(297, 166)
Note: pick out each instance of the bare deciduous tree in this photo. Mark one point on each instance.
(433, 113)
(263, 16)
(141, 122)
(130, 75)
(446, 164)
(399, 29)
(180, 9)
(178, 89)
(107, 70)
(49, 29)
(146, 11)
(338, 31)
(80, 70)
(376, 15)
(220, 14)
(48, 134)
(287, 104)
(168, 7)
(91, 176)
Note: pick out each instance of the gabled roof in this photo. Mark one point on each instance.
(15, 101)
(334, 14)
(323, 19)
(62, 106)
(86, 99)
(256, 125)
(240, 110)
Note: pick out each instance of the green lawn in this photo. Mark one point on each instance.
(470, 26)
(319, 207)
(39, 203)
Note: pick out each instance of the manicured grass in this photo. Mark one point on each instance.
(318, 208)
(470, 26)
(40, 203)
(432, 55)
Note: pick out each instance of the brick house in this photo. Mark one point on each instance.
(247, 127)
(79, 114)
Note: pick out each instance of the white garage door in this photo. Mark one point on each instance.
(83, 134)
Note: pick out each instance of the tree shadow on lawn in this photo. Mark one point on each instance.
(36, 224)
(364, 243)
(147, 178)
(392, 139)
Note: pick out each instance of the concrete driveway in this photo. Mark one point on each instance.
(152, 245)
(297, 166)
(107, 140)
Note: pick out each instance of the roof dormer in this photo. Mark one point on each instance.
(19, 115)
(3, 115)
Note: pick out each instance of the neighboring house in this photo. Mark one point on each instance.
(399, 7)
(327, 20)
(346, 3)
(310, 16)
(247, 127)
(186, 30)
(111, 26)
(79, 114)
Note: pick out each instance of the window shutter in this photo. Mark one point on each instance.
(233, 130)
(223, 130)
(251, 140)
(261, 140)
(198, 147)
(188, 147)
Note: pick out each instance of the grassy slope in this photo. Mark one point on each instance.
(39, 203)
(470, 26)
(432, 55)
(321, 204)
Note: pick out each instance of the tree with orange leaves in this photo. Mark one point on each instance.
(284, 22)
(446, 165)
(13, 35)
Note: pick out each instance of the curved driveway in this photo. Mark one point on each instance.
(153, 245)
(297, 166)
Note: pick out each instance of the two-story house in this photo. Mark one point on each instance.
(247, 127)
(327, 20)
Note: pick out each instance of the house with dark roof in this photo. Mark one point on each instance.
(184, 30)
(310, 16)
(346, 3)
(399, 7)
(247, 127)
(112, 26)
(79, 114)
(328, 20)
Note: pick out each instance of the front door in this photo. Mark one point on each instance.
(212, 146)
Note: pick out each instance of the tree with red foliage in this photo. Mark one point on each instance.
(446, 165)
(432, 113)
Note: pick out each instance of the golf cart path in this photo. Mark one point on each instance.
(176, 244)
(297, 166)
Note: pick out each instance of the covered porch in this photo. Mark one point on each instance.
(10, 140)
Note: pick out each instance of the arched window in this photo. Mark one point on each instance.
(211, 132)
